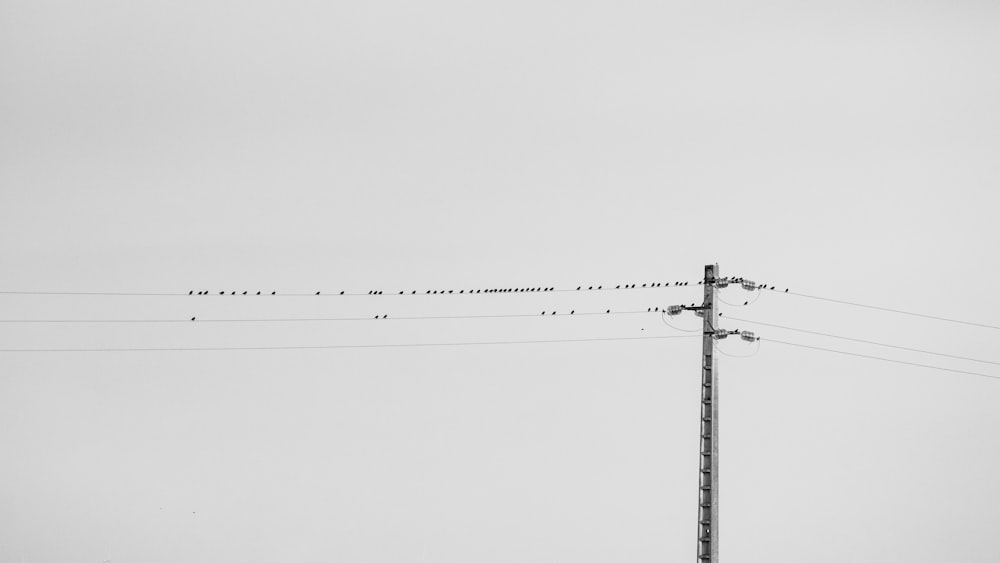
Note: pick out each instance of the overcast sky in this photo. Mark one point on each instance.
(842, 149)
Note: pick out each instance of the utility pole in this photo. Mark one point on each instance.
(708, 469)
(708, 481)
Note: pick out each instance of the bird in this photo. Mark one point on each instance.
(317, 293)
(222, 293)
(384, 316)
(746, 302)
(591, 287)
(608, 311)
(191, 292)
(272, 293)
(578, 288)
(400, 292)
(643, 285)
(598, 287)
(543, 312)
(341, 292)
(786, 290)
(370, 292)
(192, 318)
(649, 309)
(618, 287)
(376, 316)
(258, 293)
(571, 312)
(233, 293)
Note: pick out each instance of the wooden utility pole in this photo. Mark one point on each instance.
(708, 482)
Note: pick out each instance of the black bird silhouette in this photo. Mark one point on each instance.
(643, 285)
(376, 316)
(786, 290)
(571, 312)
(618, 287)
(578, 288)
(258, 293)
(341, 292)
(649, 309)
(272, 293)
(190, 292)
(608, 311)
(384, 316)
(599, 287)
(543, 312)
(192, 318)
(244, 293)
(222, 293)
(400, 292)
(591, 287)
(370, 292)
(746, 302)
(233, 293)
(317, 293)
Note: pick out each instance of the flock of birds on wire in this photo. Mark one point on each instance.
(736, 280)
(495, 290)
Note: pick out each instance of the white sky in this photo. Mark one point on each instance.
(843, 149)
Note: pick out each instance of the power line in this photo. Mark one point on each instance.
(995, 327)
(882, 359)
(865, 341)
(373, 293)
(345, 346)
(379, 317)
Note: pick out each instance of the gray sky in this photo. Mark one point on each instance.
(842, 149)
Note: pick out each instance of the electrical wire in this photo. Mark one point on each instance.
(959, 321)
(663, 317)
(882, 359)
(718, 296)
(313, 319)
(343, 346)
(867, 341)
(723, 352)
(378, 293)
